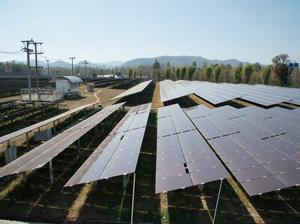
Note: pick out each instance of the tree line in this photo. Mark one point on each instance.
(279, 73)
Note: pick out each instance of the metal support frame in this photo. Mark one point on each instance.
(132, 202)
(51, 178)
(54, 127)
(78, 146)
(125, 180)
(217, 203)
(27, 140)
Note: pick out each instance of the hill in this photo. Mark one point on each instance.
(179, 61)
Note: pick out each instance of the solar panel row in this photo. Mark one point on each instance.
(136, 89)
(118, 153)
(170, 90)
(263, 154)
(45, 152)
(217, 93)
(183, 156)
(42, 123)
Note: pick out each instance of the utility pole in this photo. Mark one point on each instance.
(36, 68)
(72, 58)
(27, 50)
(85, 63)
(48, 73)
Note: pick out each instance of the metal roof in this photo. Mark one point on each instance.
(71, 78)
(135, 89)
(42, 123)
(45, 152)
(118, 153)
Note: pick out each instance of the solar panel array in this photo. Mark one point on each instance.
(217, 93)
(183, 157)
(42, 123)
(45, 152)
(170, 90)
(118, 153)
(261, 147)
(136, 89)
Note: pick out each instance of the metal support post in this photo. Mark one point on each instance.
(78, 146)
(217, 203)
(132, 202)
(54, 127)
(125, 180)
(51, 178)
(27, 140)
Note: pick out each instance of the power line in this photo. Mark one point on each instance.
(11, 52)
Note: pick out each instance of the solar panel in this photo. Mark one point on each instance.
(118, 153)
(42, 154)
(42, 123)
(264, 155)
(183, 157)
(136, 89)
(217, 93)
(126, 155)
(170, 90)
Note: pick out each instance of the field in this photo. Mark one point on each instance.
(31, 197)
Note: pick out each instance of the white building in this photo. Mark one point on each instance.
(67, 85)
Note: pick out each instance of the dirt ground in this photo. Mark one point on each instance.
(156, 102)
(101, 95)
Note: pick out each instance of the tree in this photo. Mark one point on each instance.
(237, 75)
(182, 73)
(248, 70)
(281, 70)
(130, 73)
(208, 73)
(191, 70)
(168, 70)
(217, 73)
(177, 73)
(156, 71)
(266, 72)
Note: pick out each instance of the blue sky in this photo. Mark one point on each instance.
(249, 30)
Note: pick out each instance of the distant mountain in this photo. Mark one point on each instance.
(178, 61)
(109, 64)
(61, 64)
